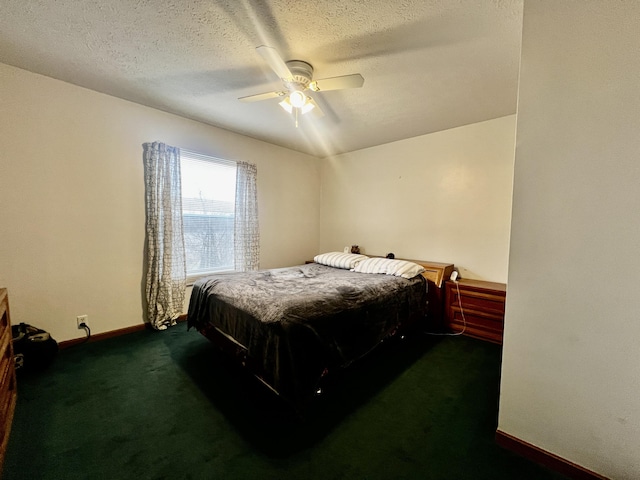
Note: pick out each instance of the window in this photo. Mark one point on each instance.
(208, 211)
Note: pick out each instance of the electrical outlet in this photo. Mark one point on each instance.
(83, 320)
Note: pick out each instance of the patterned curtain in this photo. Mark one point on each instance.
(246, 234)
(166, 266)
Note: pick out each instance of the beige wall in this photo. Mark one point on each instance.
(72, 196)
(442, 197)
(72, 200)
(571, 360)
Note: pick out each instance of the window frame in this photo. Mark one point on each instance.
(192, 277)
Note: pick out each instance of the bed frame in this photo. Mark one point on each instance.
(435, 273)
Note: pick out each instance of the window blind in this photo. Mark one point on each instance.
(208, 210)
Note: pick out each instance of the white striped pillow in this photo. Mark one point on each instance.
(339, 259)
(399, 268)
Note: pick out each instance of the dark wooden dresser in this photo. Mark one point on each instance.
(7, 375)
(482, 305)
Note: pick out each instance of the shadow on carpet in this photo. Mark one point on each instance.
(269, 423)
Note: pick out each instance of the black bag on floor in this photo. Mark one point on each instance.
(33, 348)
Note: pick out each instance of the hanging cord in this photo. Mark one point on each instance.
(86, 339)
(464, 320)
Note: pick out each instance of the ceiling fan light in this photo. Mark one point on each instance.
(286, 104)
(297, 99)
(307, 107)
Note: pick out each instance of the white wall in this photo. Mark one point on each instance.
(442, 197)
(72, 200)
(571, 360)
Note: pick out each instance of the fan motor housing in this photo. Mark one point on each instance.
(302, 73)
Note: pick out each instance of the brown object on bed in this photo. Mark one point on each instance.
(290, 326)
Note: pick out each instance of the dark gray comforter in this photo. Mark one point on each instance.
(298, 321)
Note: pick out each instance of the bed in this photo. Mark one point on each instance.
(291, 326)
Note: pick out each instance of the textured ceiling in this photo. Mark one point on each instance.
(428, 65)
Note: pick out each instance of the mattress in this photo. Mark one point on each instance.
(298, 322)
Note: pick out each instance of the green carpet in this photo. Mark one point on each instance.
(166, 405)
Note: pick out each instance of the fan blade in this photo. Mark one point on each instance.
(273, 58)
(261, 96)
(338, 83)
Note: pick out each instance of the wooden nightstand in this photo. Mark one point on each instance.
(7, 374)
(483, 307)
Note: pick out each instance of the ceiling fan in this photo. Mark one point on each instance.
(297, 77)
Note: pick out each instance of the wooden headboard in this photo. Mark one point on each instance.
(437, 274)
